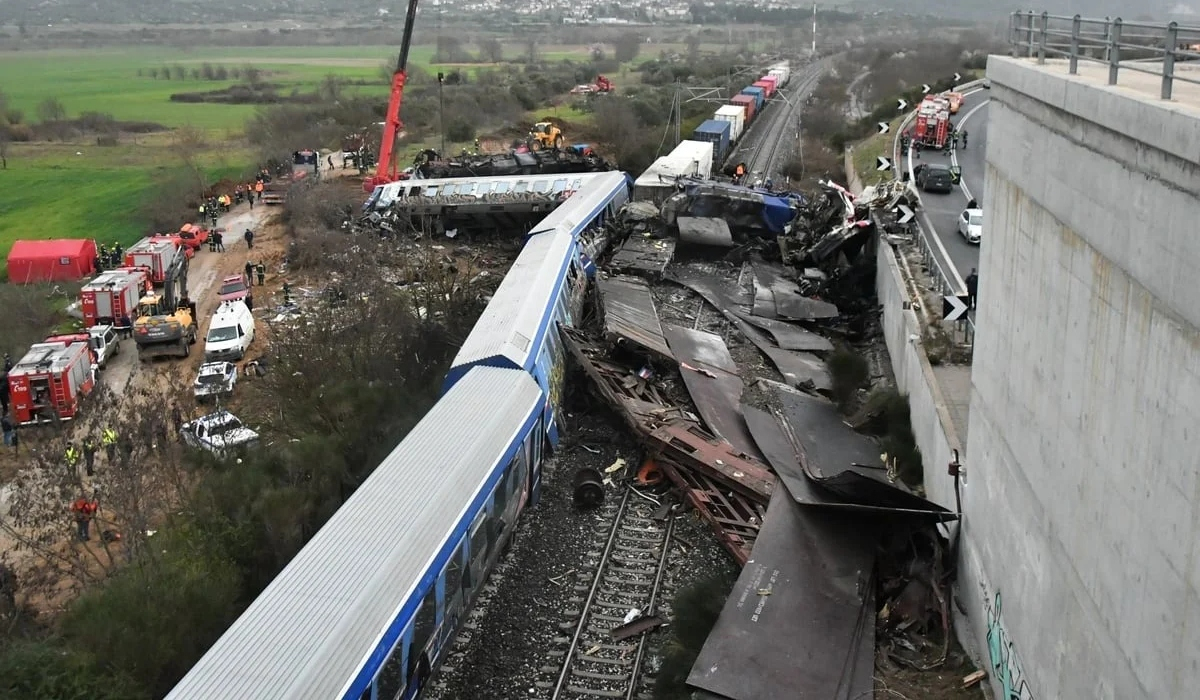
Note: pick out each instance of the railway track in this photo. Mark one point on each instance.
(627, 562)
(771, 147)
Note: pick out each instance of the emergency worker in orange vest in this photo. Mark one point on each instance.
(84, 510)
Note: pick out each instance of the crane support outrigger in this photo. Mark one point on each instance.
(385, 170)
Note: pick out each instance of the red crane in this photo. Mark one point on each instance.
(385, 171)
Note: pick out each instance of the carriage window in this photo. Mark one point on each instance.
(431, 191)
(541, 186)
(559, 186)
(520, 187)
(467, 188)
(422, 630)
(454, 574)
(391, 677)
(449, 189)
(501, 187)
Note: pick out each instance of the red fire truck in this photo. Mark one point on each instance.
(47, 383)
(111, 295)
(157, 255)
(933, 121)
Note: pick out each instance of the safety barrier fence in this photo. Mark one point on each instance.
(1151, 48)
(944, 283)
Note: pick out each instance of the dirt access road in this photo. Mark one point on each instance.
(126, 375)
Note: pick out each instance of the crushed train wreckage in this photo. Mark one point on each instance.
(796, 496)
(578, 158)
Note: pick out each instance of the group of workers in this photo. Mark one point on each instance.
(953, 139)
(108, 257)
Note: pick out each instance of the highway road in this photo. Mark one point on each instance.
(942, 210)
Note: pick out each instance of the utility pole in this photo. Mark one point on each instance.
(814, 43)
(442, 111)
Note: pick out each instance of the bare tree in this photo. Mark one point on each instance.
(491, 50)
(626, 47)
(51, 110)
(5, 140)
(189, 143)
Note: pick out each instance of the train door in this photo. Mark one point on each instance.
(536, 444)
(420, 648)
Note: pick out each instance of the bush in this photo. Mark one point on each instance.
(696, 611)
(849, 372)
(459, 129)
(49, 669)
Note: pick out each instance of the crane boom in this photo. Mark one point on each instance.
(385, 171)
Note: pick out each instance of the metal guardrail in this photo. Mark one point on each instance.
(1151, 48)
(941, 280)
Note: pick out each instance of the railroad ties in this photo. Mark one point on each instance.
(595, 657)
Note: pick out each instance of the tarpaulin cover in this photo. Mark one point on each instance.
(51, 260)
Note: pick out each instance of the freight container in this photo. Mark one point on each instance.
(736, 116)
(759, 95)
(768, 88)
(747, 103)
(689, 159)
(781, 76)
(716, 133)
(770, 79)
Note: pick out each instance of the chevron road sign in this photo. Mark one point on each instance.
(953, 307)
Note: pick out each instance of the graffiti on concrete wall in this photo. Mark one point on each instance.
(1006, 671)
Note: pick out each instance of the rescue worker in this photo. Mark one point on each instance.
(954, 138)
(4, 394)
(258, 190)
(220, 241)
(250, 196)
(249, 236)
(972, 288)
(6, 425)
(203, 212)
(118, 254)
(71, 457)
(249, 270)
(213, 216)
(964, 139)
(89, 455)
(84, 510)
(261, 269)
(7, 362)
(108, 438)
(126, 326)
(287, 292)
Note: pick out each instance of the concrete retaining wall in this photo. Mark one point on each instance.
(1084, 454)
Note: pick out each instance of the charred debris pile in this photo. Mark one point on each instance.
(715, 312)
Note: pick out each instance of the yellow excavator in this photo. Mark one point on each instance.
(166, 318)
(545, 135)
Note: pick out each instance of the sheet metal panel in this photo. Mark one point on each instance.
(704, 231)
(718, 397)
(644, 255)
(390, 192)
(801, 614)
(789, 336)
(312, 629)
(789, 303)
(510, 326)
(629, 313)
(829, 463)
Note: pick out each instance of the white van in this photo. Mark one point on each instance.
(230, 333)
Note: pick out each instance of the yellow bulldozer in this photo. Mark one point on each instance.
(545, 135)
(166, 318)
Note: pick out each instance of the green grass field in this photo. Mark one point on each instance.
(50, 192)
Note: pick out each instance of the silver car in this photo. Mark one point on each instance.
(221, 433)
(215, 379)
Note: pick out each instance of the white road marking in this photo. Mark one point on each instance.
(962, 182)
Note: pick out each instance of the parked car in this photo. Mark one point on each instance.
(215, 379)
(221, 433)
(970, 225)
(230, 332)
(193, 236)
(236, 288)
(934, 177)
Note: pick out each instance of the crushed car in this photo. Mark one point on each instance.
(215, 379)
(220, 433)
